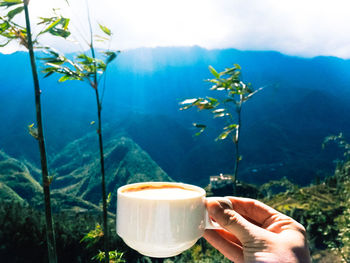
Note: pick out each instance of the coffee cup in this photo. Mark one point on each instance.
(162, 219)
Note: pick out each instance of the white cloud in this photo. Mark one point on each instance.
(295, 27)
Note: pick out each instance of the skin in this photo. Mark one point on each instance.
(255, 232)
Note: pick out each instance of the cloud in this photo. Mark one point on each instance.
(294, 27)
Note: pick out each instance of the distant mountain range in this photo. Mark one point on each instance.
(76, 172)
(283, 126)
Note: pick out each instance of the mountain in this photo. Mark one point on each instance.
(283, 126)
(16, 181)
(77, 176)
(17, 184)
(77, 167)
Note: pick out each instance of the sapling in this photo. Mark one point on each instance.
(89, 69)
(228, 106)
(12, 31)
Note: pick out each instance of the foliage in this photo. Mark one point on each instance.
(22, 229)
(114, 257)
(89, 69)
(341, 244)
(324, 211)
(93, 236)
(283, 183)
(236, 92)
(341, 143)
(10, 30)
(227, 106)
(202, 252)
(83, 67)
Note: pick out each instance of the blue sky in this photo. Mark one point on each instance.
(295, 27)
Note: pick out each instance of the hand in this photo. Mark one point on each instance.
(255, 232)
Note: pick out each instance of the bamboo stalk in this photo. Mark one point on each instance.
(50, 234)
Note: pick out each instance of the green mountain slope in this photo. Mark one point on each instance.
(16, 182)
(77, 167)
(76, 171)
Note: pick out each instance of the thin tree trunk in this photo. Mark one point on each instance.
(236, 141)
(99, 131)
(50, 234)
(103, 183)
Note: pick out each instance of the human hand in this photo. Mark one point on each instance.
(255, 232)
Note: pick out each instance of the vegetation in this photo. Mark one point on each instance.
(90, 69)
(322, 208)
(22, 235)
(10, 31)
(227, 106)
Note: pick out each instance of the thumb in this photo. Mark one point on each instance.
(233, 222)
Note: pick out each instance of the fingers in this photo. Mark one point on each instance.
(233, 222)
(228, 236)
(228, 248)
(261, 213)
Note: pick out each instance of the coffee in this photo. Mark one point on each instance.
(161, 219)
(161, 192)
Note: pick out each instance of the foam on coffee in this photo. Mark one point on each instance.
(161, 192)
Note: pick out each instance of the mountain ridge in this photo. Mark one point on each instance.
(152, 81)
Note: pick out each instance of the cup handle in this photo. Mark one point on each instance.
(209, 223)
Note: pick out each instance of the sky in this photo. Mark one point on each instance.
(305, 28)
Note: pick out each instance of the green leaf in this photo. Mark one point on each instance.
(102, 66)
(52, 25)
(15, 12)
(65, 23)
(5, 44)
(189, 101)
(49, 74)
(231, 127)
(109, 199)
(4, 26)
(220, 115)
(111, 56)
(86, 60)
(238, 67)
(212, 100)
(218, 111)
(223, 135)
(203, 104)
(213, 71)
(93, 236)
(66, 77)
(199, 126)
(33, 131)
(57, 26)
(105, 29)
(8, 3)
(59, 32)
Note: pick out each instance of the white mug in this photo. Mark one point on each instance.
(162, 219)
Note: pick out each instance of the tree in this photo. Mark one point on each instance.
(9, 31)
(227, 106)
(89, 69)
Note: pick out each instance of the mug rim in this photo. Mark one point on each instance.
(200, 190)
